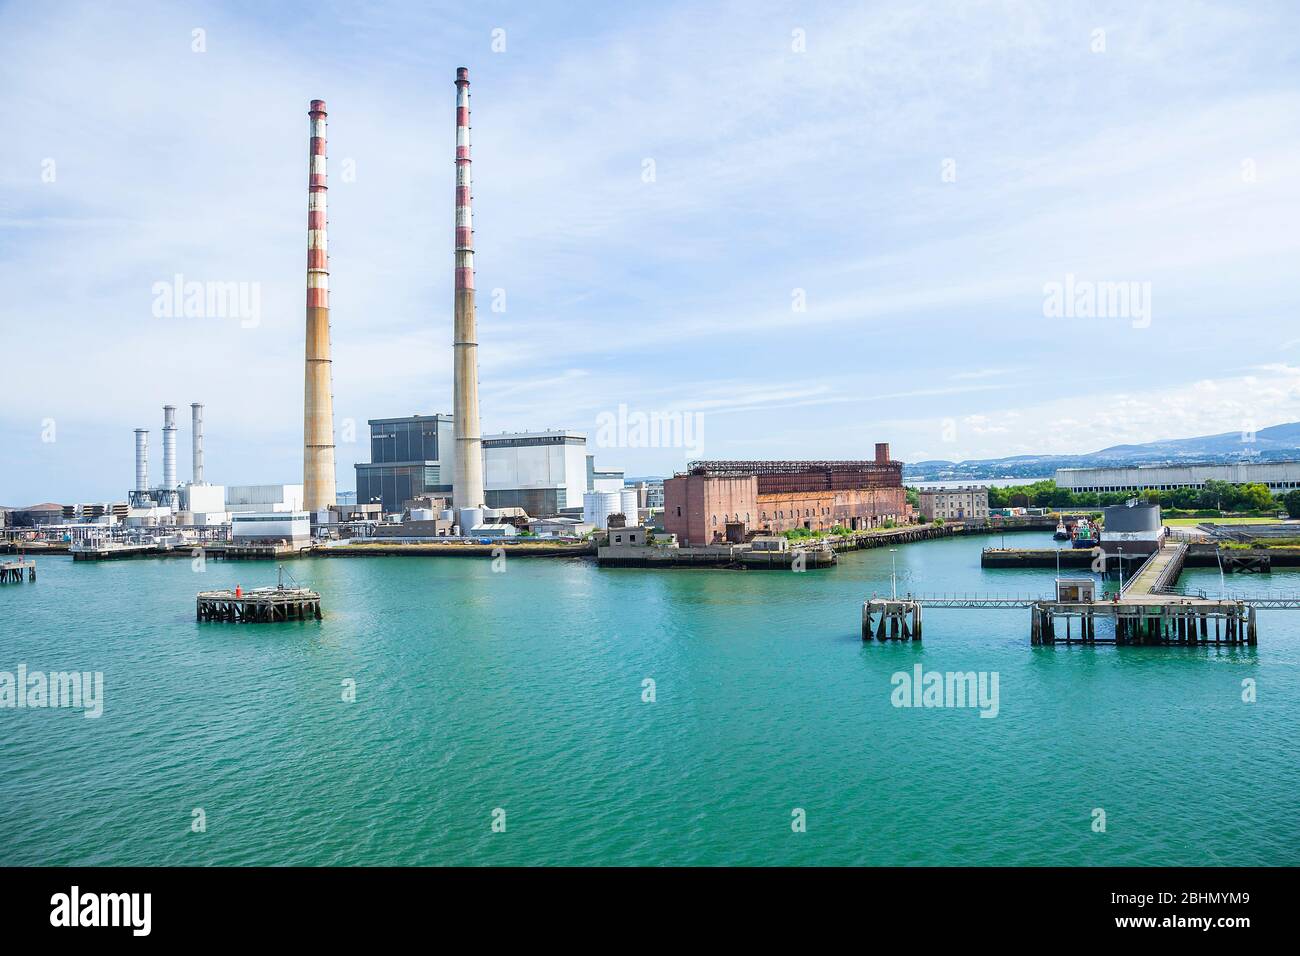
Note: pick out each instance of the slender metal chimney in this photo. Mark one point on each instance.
(318, 401)
(196, 439)
(169, 447)
(467, 485)
(142, 459)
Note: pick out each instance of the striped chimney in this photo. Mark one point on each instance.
(318, 404)
(467, 484)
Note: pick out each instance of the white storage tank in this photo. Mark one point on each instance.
(597, 506)
(469, 519)
(628, 505)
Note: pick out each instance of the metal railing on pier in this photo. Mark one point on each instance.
(976, 600)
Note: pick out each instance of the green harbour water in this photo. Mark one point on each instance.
(522, 690)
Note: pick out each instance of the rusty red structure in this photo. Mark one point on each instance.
(729, 501)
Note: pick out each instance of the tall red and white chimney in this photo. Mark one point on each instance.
(318, 487)
(467, 484)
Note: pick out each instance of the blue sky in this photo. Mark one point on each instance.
(794, 147)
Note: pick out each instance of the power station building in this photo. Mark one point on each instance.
(542, 472)
(172, 501)
(730, 501)
(409, 457)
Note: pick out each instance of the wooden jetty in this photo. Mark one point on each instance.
(259, 606)
(13, 571)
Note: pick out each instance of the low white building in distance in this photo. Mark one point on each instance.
(272, 527)
(1279, 476)
(559, 527)
(964, 503)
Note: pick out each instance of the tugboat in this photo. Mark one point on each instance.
(1062, 532)
(1085, 535)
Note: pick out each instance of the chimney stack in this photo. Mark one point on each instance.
(169, 447)
(467, 484)
(142, 459)
(196, 438)
(318, 401)
(882, 453)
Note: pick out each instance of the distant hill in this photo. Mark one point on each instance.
(1270, 444)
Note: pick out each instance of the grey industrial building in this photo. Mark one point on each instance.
(542, 472)
(409, 457)
(1279, 476)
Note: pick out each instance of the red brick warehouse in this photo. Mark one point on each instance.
(721, 501)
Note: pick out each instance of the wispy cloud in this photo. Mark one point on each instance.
(775, 171)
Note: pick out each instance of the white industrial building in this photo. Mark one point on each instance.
(290, 527)
(263, 498)
(541, 472)
(602, 480)
(1279, 476)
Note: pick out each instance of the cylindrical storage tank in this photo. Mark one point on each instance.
(1136, 519)
(421, 514)
(597, 506)
(469, 519)
(142, 459)
(447, 515)
(628, 501)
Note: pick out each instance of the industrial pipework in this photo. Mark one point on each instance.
(318, 402)
(467, 484)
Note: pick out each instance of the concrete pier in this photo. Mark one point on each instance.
(891, 620)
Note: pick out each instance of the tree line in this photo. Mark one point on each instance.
(1216, 496)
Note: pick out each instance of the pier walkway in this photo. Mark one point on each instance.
(1158, 572)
